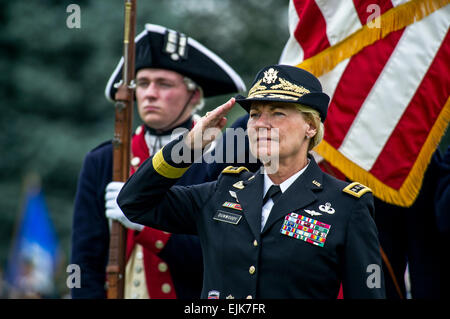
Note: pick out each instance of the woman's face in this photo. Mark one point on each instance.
(277, 131)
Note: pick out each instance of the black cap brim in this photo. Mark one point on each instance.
(318, 101)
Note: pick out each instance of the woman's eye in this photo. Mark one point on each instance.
(254, 115)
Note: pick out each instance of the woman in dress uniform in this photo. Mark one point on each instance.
(286, 231)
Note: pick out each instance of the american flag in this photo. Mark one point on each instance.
(385, 65)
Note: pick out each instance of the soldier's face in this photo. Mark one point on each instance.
(277, 131)
(161, 96)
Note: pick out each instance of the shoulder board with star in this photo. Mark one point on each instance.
(356, 189)
(234, 170)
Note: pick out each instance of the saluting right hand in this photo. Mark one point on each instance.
(209, 126)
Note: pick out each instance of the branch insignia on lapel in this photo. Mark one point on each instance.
(239, 185)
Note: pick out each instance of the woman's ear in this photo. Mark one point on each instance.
(311, 131)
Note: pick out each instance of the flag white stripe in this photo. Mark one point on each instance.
(341, 19)
(394, 89)
(292, 53)
(396, 3)
(330, 80)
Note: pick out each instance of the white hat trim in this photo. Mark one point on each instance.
(160, 29)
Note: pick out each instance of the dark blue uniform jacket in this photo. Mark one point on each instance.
(240, 260)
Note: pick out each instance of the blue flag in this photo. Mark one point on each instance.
(34, 256)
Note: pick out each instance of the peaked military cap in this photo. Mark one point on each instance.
(289, 84)
(162, 48)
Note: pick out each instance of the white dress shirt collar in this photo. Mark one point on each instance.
(284, 185)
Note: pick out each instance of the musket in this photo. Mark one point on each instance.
(124, 100)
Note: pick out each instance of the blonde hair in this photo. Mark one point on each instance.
(313, 118)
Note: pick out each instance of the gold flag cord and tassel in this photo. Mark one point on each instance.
(392, 20)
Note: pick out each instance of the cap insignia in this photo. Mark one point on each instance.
(175, 45)
(270, 76)
(283, 89)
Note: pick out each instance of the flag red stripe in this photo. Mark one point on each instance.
(401, 150)
(311, 31)
(361, 7)
(356, 82)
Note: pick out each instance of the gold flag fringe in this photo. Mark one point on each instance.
(407, 193)
(392, 20)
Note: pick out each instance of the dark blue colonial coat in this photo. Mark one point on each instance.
(90, 232)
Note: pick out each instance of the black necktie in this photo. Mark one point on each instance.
(274, 192)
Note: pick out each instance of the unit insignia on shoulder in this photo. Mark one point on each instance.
(234, 170)
(356, 189)
(239, 185)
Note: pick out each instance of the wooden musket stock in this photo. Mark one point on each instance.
(121, 152)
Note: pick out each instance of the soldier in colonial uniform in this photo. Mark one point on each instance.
(173, 74)
(286, 231)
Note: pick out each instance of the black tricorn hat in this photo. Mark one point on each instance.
(288, 84)
(162, 48)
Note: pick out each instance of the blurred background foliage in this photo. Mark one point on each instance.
(52, 79)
